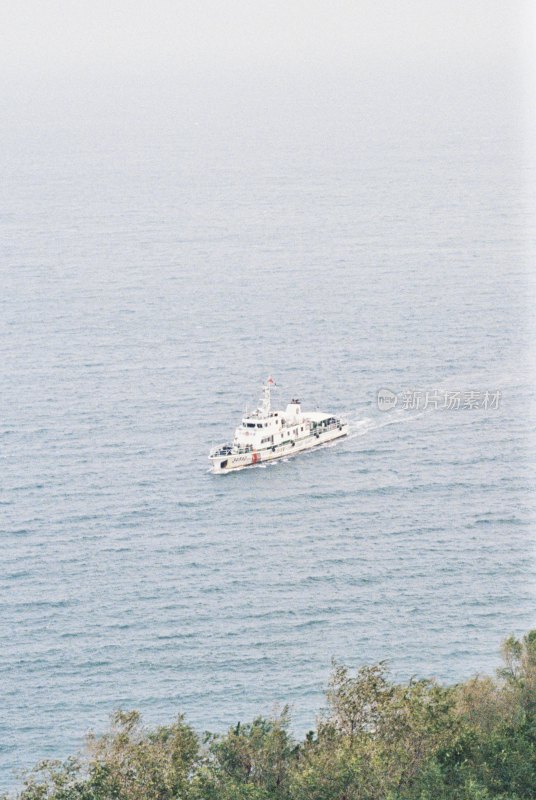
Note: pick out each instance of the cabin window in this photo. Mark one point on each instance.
(259, 424)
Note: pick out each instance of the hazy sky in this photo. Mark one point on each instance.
(50, 37)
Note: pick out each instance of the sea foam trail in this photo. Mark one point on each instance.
(360, 427)
(463, 382)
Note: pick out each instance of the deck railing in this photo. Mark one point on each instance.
(228, 449)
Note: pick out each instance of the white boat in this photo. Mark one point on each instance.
(266, 435)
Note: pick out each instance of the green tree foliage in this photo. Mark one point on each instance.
(251, 761)
(376, 740)
(127, 763)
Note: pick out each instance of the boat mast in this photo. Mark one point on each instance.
(265, 407)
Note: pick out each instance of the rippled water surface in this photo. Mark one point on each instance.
(160, 257)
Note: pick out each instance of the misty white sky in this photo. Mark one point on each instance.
(50, 37)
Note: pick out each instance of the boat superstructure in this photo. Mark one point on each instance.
(265, 434)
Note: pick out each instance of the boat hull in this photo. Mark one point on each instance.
(236, 461)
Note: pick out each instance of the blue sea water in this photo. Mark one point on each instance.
(161, 254)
